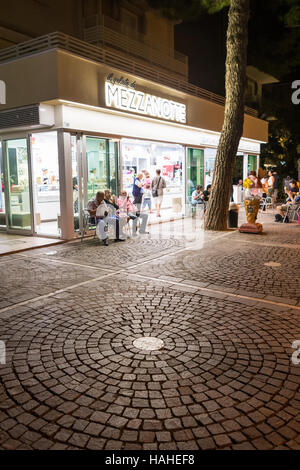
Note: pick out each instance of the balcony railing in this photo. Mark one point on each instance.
(104, 31)
(70, 44)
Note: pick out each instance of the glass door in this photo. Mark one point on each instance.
(77, 181)
(95, 167)
(195, 170)
(2, 193)
(101, 162)
(252, 163)
(17, 186)
(101, 166)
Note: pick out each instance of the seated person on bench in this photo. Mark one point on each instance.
(130, 211)
(99, 209)
(114, 211)
(197, 196)
(293, 198)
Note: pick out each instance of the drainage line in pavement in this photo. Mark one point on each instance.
(66, 262)
(52, 294)
(229, 294)
(124, 270)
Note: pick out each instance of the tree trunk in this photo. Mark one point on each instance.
(236, 62)
(298, 169)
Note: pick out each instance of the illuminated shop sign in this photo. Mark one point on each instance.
(129, 99)
(120, 81)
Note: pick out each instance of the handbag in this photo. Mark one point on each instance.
(154, 191)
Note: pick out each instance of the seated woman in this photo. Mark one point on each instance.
(113, 211)
(129, 211)
(126, 207)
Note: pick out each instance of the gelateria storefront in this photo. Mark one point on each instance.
(33, 177)
(66, 138)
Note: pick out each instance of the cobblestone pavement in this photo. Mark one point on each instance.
(236, 269)
(124, 254)
(223, 378)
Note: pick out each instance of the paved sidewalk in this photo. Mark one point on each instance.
(10, 244)
(225, 307)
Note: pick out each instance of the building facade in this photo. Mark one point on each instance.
(81, 116)
(127, 27)
(73, 125)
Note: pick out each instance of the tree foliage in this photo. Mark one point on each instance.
(189, 11)
(274, 37)
(283, 149)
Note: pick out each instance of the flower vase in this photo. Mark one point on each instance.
(252, 204)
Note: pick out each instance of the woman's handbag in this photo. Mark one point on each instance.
(155, 191)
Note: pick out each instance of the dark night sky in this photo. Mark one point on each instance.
(205, 43)
(273, 47)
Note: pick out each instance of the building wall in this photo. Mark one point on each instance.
(42, 17)
(60, 75)
(159, 30)
(67, 16)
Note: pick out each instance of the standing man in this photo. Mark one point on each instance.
(158, 185)
(137, 190)
(137, 193)
(270, 184)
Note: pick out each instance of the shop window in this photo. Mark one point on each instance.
(145, 157)
(46, 189)
(238, 169)
(210, 157)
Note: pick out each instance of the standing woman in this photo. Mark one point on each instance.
(158, 185)
(271, 182)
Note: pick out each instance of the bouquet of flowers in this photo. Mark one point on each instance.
(247, 183)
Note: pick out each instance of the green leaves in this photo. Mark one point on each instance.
(292, 18)
(189, 11)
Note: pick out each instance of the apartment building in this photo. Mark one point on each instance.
(95, 94)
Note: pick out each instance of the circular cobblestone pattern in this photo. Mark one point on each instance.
(74, 378)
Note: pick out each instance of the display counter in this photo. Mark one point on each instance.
(47, 202)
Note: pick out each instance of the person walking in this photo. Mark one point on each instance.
(137, 190)
(147, 198)
(147, 180)
(158, 185)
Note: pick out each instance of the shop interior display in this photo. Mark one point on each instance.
(149, 156)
